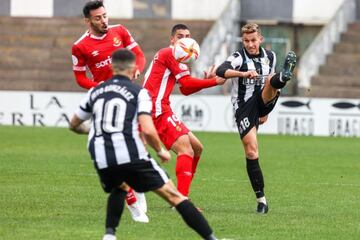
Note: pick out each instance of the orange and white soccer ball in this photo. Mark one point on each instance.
(186, 50)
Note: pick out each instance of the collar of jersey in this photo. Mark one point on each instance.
(96, 37)
(120, 77)
(260, 55)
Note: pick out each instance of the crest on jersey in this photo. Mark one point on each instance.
(95, 53)
(117, 42)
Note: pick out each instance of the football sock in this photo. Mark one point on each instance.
(184, 173)
(276, 81)
(194, 219)
(194, 165)
(255, 176)
(115, 207)
(261, 200)
(130, 197)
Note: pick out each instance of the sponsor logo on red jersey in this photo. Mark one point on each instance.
(104, 63)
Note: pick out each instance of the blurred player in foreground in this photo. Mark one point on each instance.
(116, 107)
(93, 51)
(255, 90)
(164, 72)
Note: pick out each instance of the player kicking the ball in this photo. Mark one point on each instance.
(164, 72)
(255, 90)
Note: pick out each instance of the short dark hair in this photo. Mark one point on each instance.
(92, 5)
(122, 59)
(177, 27)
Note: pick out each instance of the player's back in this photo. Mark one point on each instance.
(115, 105)
(161, 77)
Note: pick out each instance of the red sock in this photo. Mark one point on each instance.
(130, 197)
(194, 165)
(184, 173)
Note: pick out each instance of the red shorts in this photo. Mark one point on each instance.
(169, 128)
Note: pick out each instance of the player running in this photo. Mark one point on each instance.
(160, 79)
(93, 52)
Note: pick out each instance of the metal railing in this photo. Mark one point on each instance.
(323, 44)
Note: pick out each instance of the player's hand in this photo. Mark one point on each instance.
(210, 73)
(220, 80)
(251, 74)
(164, 155)
(262, 120)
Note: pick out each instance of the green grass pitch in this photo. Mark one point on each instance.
(49, 189)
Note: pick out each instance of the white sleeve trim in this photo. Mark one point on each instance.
(76, 68)
(131, 46)
(180, 75)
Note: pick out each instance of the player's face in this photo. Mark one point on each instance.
(180, 33)
(98, 21)
(251, 42)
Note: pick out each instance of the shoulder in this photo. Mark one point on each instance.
(165, 51)
(81, 39)
(269, 53)
(118, 28)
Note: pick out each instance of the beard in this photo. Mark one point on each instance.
(99, 29)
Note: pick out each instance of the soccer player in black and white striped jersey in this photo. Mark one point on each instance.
(255, 90)
(117, 107)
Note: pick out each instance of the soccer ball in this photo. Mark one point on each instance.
(186, 50)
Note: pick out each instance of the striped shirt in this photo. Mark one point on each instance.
(243, 88)
(114, 107)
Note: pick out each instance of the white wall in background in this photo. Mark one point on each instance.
(38, 8)
(119, 8)
(315, 11)
(198, 9)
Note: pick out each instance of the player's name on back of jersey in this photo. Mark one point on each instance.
(113, 88)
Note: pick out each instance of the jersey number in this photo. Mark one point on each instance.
(173, 120)
(244, 123)
(109, 115)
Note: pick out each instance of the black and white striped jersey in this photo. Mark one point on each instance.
(243, 88)
(114, 107)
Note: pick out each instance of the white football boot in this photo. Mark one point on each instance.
(109, 237)
(140, 198)
(137, 214)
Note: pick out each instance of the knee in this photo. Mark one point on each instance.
(251, 151)
(171, 194)
(185, 149)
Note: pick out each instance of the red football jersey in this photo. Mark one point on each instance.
(160, 78)
(95, 52)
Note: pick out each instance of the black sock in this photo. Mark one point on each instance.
(195, 219)
(255, 176)
(276, 83)
(115, 207)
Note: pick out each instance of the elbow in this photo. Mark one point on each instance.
(220, 71)
(184, 92)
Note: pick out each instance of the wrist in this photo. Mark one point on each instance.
(161, 151)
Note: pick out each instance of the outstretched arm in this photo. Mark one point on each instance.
(190, 85)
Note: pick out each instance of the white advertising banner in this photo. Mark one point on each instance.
(293, 116)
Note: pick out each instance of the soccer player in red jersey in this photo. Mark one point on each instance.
(164, 72)
(93, 50)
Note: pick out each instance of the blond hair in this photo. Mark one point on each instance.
(250, 28)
